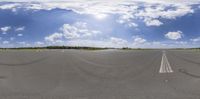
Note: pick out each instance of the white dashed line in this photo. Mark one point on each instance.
(165, 65)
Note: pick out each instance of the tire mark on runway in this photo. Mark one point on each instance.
(182, 90)
(107, 71)
(189, 74)
(197, 63)
(183, 87)
(26, 63)
(190, 61)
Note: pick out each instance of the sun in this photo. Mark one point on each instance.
(100, 16)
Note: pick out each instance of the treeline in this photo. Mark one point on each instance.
(187, 48)
(197, 49)
(59, 47)
(75, 47)
(92, 48)
(127, 48)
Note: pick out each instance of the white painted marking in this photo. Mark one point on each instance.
(162, 65)
(165, 65)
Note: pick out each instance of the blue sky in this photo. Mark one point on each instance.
(100, 23)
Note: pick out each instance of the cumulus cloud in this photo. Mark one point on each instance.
(5, 29)
(20, 28)
(128, 10)
(70, 32)
(75, 31)
(152, 13)
(138, 40)
(152, 22)
(174, 35)
(119, 41)
(55, 37)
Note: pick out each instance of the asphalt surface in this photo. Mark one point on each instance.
(104, 74)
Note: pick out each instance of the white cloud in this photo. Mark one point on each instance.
(112, 42)
(23, 44)
(11, 6)
(38, 43)
(139, 43)
(195, 39)
(88, 43)
(132, 24)
(6, 42)
(19, 34)
(174, 35)
(128, 22)
(5, 29)
(119, 41)
(181, 42)
(70, 32)
(150, 14)
(75, 31)
(55, 37)
(20, 28)
(138, 40)
(152, 22)
(146, 1)
(159, 11)
(128, 11)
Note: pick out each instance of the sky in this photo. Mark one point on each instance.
(100, 23)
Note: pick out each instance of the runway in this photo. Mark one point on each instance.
(100, 74)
